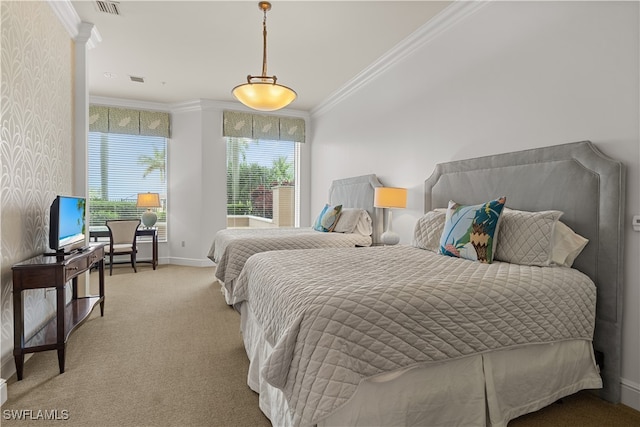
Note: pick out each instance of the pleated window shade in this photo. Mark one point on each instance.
(238, 124)
(129, 121)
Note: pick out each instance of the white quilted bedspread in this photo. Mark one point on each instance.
(231, 248)
(334, 317)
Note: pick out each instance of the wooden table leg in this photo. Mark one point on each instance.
(18, 333)
(61, 358)
(101, 285)
(19, 358)
(60, 303)
(155, 249)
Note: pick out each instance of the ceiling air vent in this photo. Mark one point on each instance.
(110, 7)
(137, 79)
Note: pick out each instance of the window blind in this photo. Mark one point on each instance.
(121, 166)
(262, 183)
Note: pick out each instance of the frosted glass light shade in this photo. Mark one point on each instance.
(264, 96)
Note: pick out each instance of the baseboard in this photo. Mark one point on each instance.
(3, 391)
(630, 394)
(8, 370)
(190, 262)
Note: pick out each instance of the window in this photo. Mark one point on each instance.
(120, 167)
(262, 183)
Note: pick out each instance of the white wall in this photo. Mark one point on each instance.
(511, 76)
(197, 179)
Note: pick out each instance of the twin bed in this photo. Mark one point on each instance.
(232, 247)
(402, 335)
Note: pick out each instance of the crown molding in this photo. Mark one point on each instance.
(449, 17)
(210, 105)
(188, 106)
(78, 30)
(129, 103)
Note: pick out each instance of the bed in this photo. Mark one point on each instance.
(402, 335)
(232, 247)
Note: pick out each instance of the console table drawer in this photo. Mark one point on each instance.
(95, 256)
(74, 268)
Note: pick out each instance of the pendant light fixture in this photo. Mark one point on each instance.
(262, 92)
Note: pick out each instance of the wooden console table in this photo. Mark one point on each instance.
(46, 271)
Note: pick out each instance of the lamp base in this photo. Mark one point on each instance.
(149, 219)
(390, 238)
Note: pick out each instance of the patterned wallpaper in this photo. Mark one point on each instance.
(36, 151)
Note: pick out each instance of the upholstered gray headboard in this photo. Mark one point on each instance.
(358, 192)
(589, 188)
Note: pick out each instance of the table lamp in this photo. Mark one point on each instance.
(390, 197)
(148, 200)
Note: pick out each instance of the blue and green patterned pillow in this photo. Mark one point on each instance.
(328, 218)
(317, 225)
(470, 231)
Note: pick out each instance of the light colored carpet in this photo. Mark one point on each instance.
(168, 352)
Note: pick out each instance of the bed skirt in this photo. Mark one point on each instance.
(480, 390)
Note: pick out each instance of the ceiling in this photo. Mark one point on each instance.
(189, 50)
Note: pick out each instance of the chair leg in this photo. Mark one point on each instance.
(133, 262)
(110, 264)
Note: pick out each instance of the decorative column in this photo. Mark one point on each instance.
(81, 130)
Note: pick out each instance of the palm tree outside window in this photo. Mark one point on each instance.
(261, 183)
(120, 167)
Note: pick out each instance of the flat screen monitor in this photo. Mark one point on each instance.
(67, 224)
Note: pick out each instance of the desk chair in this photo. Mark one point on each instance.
(122, 240)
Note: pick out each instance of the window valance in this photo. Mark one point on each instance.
(238, 124)
(128, 121)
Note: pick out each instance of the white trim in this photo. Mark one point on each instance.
(630, 395)
(128, 103)
(191, 262)
(8, 368)
(450, 16)
(3, 391)
(187, 106)
(70, 19)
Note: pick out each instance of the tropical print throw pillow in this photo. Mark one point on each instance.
(470, 231)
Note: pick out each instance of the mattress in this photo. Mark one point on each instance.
(232, 247)
(336, 317)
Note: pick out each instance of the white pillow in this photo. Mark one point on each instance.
(365, 225)
(428, 230)
(353, 220)
(567, 245)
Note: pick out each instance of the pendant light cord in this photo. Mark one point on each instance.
(264, 44)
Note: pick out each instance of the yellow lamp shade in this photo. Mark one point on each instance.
(148, 200)
(390, 197)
